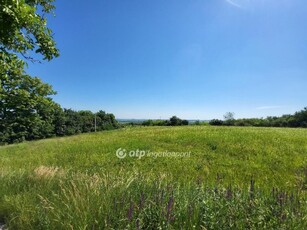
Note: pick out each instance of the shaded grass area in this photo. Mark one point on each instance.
(78, 182)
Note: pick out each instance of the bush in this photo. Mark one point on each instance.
(216, 122)
(173, 121)
(299, 119)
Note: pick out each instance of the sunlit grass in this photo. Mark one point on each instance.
(78, 182)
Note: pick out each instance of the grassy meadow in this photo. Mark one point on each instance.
(234, 178)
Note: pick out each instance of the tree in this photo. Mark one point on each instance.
(229, 116)
(185, 122)
(26, 110)
(59, 122)
(23, 28)
(216, 122)
(174, 121)
(301, 118)
(73, 122)
(148, 123)
(87, 121)
(106, 121)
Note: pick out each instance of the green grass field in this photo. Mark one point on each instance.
(234, 178)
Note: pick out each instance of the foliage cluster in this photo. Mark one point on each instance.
(173, 121)
(49, 119)
(27, 111)
(298, 119)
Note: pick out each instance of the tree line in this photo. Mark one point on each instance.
(173, 121)
(23, 125)
(27, 111)
(296, 120)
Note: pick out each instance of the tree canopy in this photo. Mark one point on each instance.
(24, 28)
(298, 119)
(26, 108)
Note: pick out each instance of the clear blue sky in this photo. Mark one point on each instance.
(196, 59)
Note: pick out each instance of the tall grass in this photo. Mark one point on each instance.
(51, 199)
(236, 178)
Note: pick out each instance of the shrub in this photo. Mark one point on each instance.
(216, 122)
